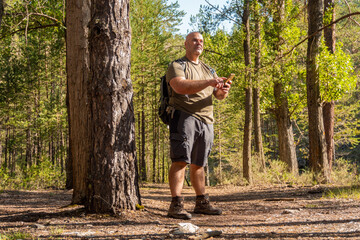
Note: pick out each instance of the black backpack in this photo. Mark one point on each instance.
(164, 107)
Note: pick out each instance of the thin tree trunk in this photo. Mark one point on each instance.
(12, 153)
(247, 171)
(207, 175)
(143, 139)
(6, 150)
(114, 180)
(29, 145)
(259, 149)
(329, 107)
(154, 150)
(61, 147)
(28, 148)
(317, 146)
(287, 150)
(1, 11)
(163, 156)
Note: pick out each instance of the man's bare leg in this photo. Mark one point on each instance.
(197, 178)
(176, 178)
(176, 182)
(202, 205)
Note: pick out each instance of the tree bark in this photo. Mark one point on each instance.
(317, 146)
(68, 162)
(329, 107)
(259, 149)
(287, 150)
(247, 171)
(113, 183)
(77, 66)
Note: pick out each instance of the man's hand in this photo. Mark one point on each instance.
(218, 82)
(222, 90)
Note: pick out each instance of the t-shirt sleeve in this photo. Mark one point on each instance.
(175, 70)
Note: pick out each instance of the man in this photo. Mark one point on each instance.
(191, 127)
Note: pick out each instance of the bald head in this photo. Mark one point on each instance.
(194, 44)
(190, 35)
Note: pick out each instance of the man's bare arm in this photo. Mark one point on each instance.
(186, 86)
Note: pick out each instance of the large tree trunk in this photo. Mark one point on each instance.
(113, 183)
(259, 149)
(247, 171)
(77, 65)
(317, 146)
(328, 107)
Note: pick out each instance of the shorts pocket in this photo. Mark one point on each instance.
(178, 146)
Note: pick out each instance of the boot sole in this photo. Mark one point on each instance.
(184, 217)
(207, 213)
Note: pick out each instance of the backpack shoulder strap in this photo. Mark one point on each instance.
(210, 68)
(181, 62)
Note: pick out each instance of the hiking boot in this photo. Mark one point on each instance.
(203, 206)
(176, 209)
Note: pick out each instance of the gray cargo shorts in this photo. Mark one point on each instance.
(190, 139)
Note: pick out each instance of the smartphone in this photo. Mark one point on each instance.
(230, 77)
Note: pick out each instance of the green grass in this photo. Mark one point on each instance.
(311, 206)
(352, 192)
(15, 235)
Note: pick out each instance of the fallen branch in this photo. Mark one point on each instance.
(279, 199)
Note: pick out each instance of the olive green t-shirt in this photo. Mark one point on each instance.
(199, 104)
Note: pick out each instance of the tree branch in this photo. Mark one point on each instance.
(302, 41)
(350, 18)
(45, 16)
(32, 28)
(222, 13)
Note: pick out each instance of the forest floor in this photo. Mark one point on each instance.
(272, 212)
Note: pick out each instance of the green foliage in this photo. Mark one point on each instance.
(335, 73)
(153, 47)
(351, 192)
(347, 123)
(15, 235)
(277, 173)
(344, 172)
(42, 176)
(33, 119)
(206, 21)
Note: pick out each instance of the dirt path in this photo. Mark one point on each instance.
(248, 213)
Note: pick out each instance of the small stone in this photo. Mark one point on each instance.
(38, 226)
(290, 211)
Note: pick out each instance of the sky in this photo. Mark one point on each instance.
(191, 7)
